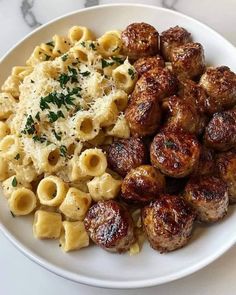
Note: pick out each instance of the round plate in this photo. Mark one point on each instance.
(92, 265)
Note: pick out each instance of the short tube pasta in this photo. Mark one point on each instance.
(61, 45)
(105, 111)
(110, 43)
(93, 162)
(4, 129)
(11, 184)
(3, 169)
(120, 129)
(22, 201)
(104, 187)
(51, 191)
(9, 146)
(47, 225)
(73, 236)
(79, 33)
(7, 105)
(76, 204)
(125, 76)
(87, 127)
(120, 98)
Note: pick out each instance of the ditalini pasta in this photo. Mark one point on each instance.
(56, 114)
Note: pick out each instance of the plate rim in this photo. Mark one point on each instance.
(78, 278)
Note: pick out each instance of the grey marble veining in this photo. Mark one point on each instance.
(28, 15)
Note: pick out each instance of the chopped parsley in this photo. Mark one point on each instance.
(73, 75)
(31, 81)
(38, 138)
(53, 117)
(51, 43)
(169, 144)
(37, 116)
(118, 59)
(47, 57)
(29, 126)
(63, 79)
(131, 73)
(57, 135)
(64, 57)
(63, 150)
(12, 214)
(14, 182)
(85, 74)
(92, 46)
(17, 157)
(83, 43)
(106, 63)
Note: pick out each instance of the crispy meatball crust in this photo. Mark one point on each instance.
(183, 115)
(143, 114)
(172, 38)
(206, 164)
(139, 40)
(160, 82)
(142, 184)
(190, 89)
(188, 60)
(209, 197)
(175, 153)
(220, 133)
(220, 86)
(226, 164)
(144, 64)
(126, 154)
(110, 226)
(168, 223)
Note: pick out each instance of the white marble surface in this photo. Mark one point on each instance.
(18, 275)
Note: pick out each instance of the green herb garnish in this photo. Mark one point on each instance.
(131, 73)
(118, 59)
(40, 139)
(29, 126)
(14, 182)
(64, 57)
(169, 144)
(17, 157)
(106, 63)
(85, 74)
(57, 135)
(37, 116)
(51, 43)
(53, 117)
(63, 150)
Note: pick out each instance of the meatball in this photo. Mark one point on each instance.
(175, 186)
(183, 115)
(139, 40)
(143, 114)
(160, 82)
(172, 38)
(190, 89)
(144, 64)
(142, 184)
(220, 85)
(126, 154)
(168, 223)
(220, 133)
(209, 197)
(206, 164)
(110, 226)
(175, 153)
(226, 164)
(188, 61)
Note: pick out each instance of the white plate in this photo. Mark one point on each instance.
(92, 265)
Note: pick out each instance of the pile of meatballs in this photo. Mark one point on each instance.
(179, 165)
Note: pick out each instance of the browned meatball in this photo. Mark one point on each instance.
(226, 164)
(209, 197)
(183, 115)
(142, 184)
(126, 154)
(143, 114)
(172, 38)
(175, 186)
(188, 60)
(175, 153)
(220, 133)
(206, 164)
(158, 81)
(190, 89)
(168, 223)
(144, 64)
(139, 40)
(220, 85)
(110, 226)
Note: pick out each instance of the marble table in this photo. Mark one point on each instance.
(18, 275)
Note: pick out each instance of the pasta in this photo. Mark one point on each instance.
(51, 191)
(73, 236)
(22, 201)
(93, 162)
(104, 187)
(76, 204)
(47, 225)
(56, 112)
